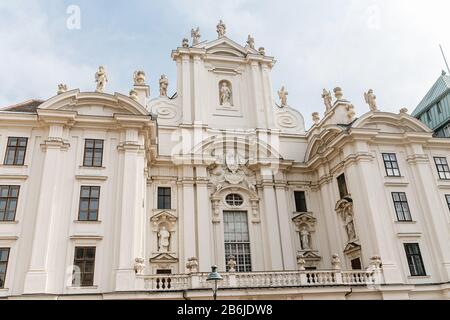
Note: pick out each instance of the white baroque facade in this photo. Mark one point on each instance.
(128, 196)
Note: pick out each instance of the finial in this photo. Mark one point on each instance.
(338, 93)
(185, 43)
(61, 88)
(101, 79)
(134, 95)
(262, 51)
(371, 100)
(403, 110)
(139, 77)
(221, 29)
(195, 34)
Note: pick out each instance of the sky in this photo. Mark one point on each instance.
(390, 46)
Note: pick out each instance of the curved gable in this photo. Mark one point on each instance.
(391, 123)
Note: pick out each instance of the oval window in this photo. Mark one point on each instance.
(234, 200)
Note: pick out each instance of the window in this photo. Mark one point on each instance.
(84, 263)
(439, 107)
(447, 197)
(342, 184)
(8, 202)
(93, 153)
(401, 206)
(391, 165)
(429, 115)
(300, 201)
(89, 201)
(234, 200)
(356, 264)
(164, 198)
(15, 151)
(4, 256)
(442, 168)
(237, 241)
(415, 262)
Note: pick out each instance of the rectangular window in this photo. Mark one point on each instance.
(93, 153)
(391, 165)
(447, 197)
(429, 115)
(89, 202)
(401, 206)
(442, 168)
(84, 264)
(356, 264)
(4, 256)
(164, 198)
(15, 151)
(300, 201)
(9, 196)
(237, 240)
(342, 184)
(439, 107)
(415, 262)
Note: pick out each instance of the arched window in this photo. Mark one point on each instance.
(234, 200)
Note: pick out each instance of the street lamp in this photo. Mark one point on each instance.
(214, 276)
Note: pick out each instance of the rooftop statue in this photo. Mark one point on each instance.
(371, 100)
(101, 79)
(251, 42)
(185, 43)
(139, 77)
(221, 29)
(195, 34)
(327, 99)
(163, 85)
(283, 96)
(62, 88)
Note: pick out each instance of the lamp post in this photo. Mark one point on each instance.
(214, 276)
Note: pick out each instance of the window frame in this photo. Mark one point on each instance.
(302, 199)
(164, 197)
(393, 163)
(442, 166)
(93, 149)
(411, 263)
(244, 259)
(16, 148)
(89, 200)
(8, 200)
(84, 260)
(402, 216)
(5, 262)
(339, 182)
(234, 200)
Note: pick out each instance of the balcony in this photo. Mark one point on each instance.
(252, 280)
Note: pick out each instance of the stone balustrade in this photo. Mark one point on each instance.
(262, 280)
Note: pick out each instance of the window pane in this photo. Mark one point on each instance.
(95, 192)
(10, 154)
(89, 143)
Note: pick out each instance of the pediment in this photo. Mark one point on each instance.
(310, 255)
(352, 247)
(164, 216)
(226, 47)
(163, 258)
(387, 122)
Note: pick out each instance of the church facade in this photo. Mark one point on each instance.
(107, 196)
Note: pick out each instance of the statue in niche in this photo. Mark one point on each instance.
(195, 34)
(101, 79)
(327, 99)
(163, 239)
(349, 225)
(283, 96)
(221, 29)
(251, 42)
(371, 100)
(304, 238)
(225, 94)
(163, 85)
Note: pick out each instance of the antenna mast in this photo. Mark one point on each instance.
(445, 59)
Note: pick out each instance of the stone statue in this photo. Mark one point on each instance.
(350, 111)
(338, 93)
(371, 100)
(375, 261)
(139, 266)
(283, 96)
(134, 95)
(101, 79)
(163, 239)
(139, 77)
(262, 51)
(221, 29)
(61, 88)
(304, 237)
(316, 117)
(349, 225)
(251, 42)
(163, 85)
(231, 264)
(404, 110)
(185, 43)
(192, 265)
(195, 34)
(327, 100)
(336, 262)
(225, 94)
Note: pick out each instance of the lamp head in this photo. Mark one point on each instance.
(214, 275)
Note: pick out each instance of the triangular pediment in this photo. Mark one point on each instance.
(226, 47)
(310, 255)
(352, 247)
(163, 258)
(164, 216)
